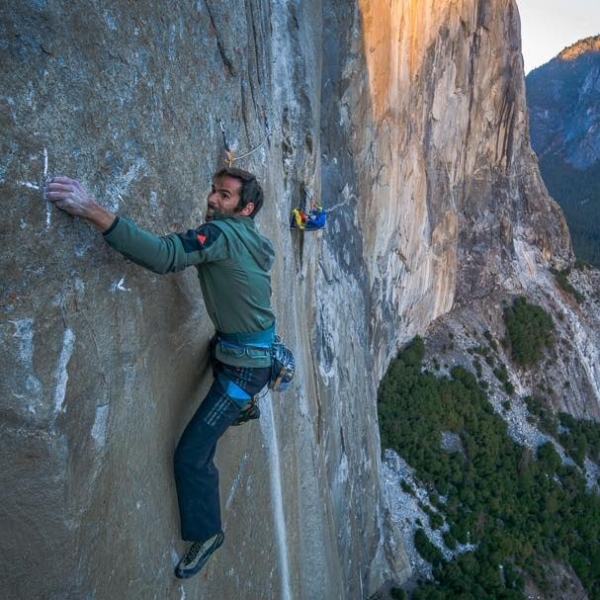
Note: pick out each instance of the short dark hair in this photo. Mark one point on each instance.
(251, 189)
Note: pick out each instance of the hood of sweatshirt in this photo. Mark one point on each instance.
(257, 244)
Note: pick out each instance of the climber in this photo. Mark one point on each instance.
(308, 221)
(233, 261)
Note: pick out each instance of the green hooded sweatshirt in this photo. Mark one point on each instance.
(233, 261)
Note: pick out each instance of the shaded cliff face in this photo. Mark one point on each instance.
(103, 363)
(405, 120)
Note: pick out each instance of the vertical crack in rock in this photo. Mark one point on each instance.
(219, 38)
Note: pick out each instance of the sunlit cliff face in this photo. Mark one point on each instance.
(396, 36)
(419, 156)
(444, 125)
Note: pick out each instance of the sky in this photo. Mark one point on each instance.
(549, 26)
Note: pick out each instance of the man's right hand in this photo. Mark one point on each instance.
(69, 195)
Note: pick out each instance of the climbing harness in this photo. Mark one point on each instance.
(261, 345)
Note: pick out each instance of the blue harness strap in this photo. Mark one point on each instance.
(254, 338)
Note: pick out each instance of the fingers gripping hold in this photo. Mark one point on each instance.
(69, 195)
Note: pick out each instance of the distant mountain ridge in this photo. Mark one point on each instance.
(563, 98)
(585, 46)
(564, 105)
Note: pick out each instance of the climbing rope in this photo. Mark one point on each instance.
(230, 152)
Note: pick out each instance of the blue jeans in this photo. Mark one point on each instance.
(196, 476)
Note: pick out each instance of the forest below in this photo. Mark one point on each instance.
(509, 514)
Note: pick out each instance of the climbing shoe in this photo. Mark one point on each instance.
(248, 413)
(197, 555)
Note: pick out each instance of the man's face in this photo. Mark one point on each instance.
(224, 196)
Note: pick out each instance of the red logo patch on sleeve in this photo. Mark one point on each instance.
(201, 238)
